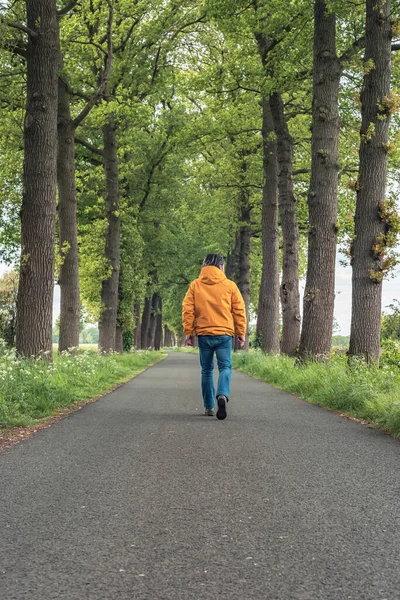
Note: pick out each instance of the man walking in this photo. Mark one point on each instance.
(213, 309)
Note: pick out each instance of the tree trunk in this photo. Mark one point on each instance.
(289, 291)
(38, 212)
(231, 265)
(145, 333)
(168, 342)
(155, 306)
(109, 288)
(268, 305)
(67, 223)
(319, 295)
(369, 241)
(159, 331)
(165, 337)
(138, 327)
(244, 258)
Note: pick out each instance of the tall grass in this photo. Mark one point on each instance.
(366, 393)
(33, 389)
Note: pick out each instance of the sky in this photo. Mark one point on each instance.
(390, 291)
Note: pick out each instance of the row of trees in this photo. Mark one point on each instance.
(150, 137)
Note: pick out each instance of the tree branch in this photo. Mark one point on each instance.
(89, 146)
(354, 48)
(21, 27)
(86, 110)
(237, 186)
(67, 8)
(123, 44)
(301, 172)
(106, 74)
(91, 43)
(78, 93)
(188, 24)
(151, 173)
(155, 70)
(15, 48)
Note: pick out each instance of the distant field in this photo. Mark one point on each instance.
(82, 347)
(88, 347)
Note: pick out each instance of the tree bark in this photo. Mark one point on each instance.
(369, 241)
(138, 327)
(244, 257)
(38, 212)
(238, 261)
(232, 260)
(319, 295)
(268, 305)
(289, 290)
(67, 223)
(155, 307)
(145, 333)
(159, 331)
(109, 288)
(167, 337)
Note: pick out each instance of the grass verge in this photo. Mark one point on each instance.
(368, 394)
(31, 390)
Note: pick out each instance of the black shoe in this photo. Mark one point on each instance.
(221, 412)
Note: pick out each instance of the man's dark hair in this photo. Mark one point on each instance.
(213, 260)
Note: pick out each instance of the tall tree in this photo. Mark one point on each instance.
(319, 294)
(109, 288)
(268, 305)
(289, 290)
(38, 212)
(138, 327)
(371, 218)
(68, 278)
(244, 256)
(145, 326)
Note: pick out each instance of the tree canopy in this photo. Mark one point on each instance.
(184, 86)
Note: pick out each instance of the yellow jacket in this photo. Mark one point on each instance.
(213, 305)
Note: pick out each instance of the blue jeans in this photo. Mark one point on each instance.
(222, 346)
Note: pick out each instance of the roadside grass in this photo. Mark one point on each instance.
(371, 394)
(31, 390)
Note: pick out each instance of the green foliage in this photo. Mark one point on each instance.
(365, 393)
(8, 298)
(340, 341)
(127, 341)
(384, 248)
(390, 323)
(89, 335)
(390, 355)
(31, 390)
(186, 84)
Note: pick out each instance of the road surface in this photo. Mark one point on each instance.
(141, 497)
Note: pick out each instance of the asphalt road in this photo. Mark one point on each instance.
(141, 497)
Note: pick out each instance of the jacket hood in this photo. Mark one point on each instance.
(211, 275)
